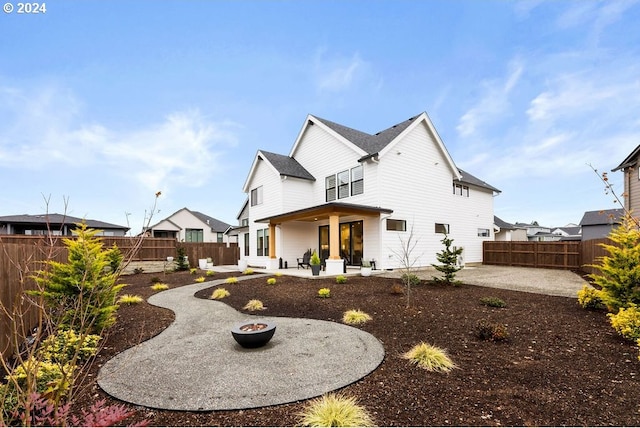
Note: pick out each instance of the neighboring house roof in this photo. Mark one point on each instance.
(602, 217)
(58, 219)
(569, 230)
(503, 225)
(215, 224)
(630, 160)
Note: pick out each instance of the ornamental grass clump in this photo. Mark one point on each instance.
(254, 305)
(341, 279)
(231, 280)
(355, 316)
(130, 299)
(430, 358)
(193, 271)
(271, 281)
(220, 293)
(335, 410)
(210, 273)
(199, 279)
(248, 271)
(159, 287)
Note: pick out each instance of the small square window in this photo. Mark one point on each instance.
(442, 228)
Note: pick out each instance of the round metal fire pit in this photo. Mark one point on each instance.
(253, 334)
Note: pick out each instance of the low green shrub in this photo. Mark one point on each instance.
(210, 273)
(494, 302)
(155, 280)
(430, 358)
(231, 280)
(590, 298)
(66, 345)
(271, 281)
(355, 316)
(193, 271)
(486, 330)
(220, 293)
(627, 322)
(335, 410)
(411, 278)
(324, 293)
(341, 279)
(199, 279)
(248, 271)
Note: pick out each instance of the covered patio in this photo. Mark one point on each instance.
(329, 213)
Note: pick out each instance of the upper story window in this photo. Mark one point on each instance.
(244, 222)
(460, 190)
(346, 183)
(256, 196)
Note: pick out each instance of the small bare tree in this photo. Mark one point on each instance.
(405, 255)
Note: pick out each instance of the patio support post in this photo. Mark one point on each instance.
(272, 241)
(334, 265)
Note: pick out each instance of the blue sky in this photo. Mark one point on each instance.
(104, 103)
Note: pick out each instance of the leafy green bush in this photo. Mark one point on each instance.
(51, 379)
(448, 258)
(81, 295)
(341, 279)
(315, 259)
(486, 330)
(210, 273)
(324, 293)
(193, 271)
(248, 271)
(410, 278)
(220, 293)
(590, 298)
(627, 322)
(335, 410)
(355, 316)
(115, 258)
(430, 358)
(494, 302)
(182, 262)
(155, 279)
(621, 268)
(65, 346)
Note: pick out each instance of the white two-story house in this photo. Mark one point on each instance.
(356, 196)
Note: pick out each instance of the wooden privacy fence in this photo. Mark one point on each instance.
(553, 255)
(22, 256)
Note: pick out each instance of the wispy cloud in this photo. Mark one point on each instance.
(43, 129)
(493, 104)
(337, 74)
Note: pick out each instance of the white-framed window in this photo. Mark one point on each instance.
(460, 190)
(244, 222)
(442, 228)
(246, 244)
(263, 242)
(330, 187)
(256, 196)
(357, 180)
(346, 183)
(220, 237)
(485, 233)
(397, 225)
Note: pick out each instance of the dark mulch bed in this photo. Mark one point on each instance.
(561, 365)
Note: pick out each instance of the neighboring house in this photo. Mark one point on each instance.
(358, 197)
(631, 170)
(508, 232)
(192, 226)
(54, 224)
(570, 232)
(538, 233)
(598, 224)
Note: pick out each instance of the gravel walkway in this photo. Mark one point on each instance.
(196, 365)
(554, 282)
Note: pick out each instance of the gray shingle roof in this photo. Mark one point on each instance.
(503, 224)
(215, 224)
(475, 181)
(370, 143)
(596, 218)
(288, 166)
(58, 219)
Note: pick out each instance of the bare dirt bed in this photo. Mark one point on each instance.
(561, 365)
